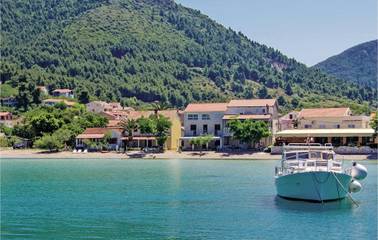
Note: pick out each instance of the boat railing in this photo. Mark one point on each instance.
(300, 165)
(306, 146)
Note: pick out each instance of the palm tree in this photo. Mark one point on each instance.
(129, 126)
(159, 106)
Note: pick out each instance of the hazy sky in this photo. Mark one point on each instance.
(308, 30)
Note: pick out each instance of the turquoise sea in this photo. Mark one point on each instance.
(169, 199)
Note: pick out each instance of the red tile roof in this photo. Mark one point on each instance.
(206, 107)
(3, 114)
(323, 112)
(251, 102)
(94, 133)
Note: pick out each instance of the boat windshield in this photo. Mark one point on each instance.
(303, 155)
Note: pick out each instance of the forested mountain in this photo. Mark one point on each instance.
(137, 51)
(357, 64)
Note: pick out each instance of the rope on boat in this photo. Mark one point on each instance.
(349, 195)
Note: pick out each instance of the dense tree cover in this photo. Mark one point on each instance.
(52, 126)
(248, 131)
(137, 51)
(357, 64)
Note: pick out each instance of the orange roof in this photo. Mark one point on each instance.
(113, 123)
(63, 90)
(94, 133)
(247, 116)
(323, 112)
(251, 102)
(5, 114)
(206, 107)
(90, 136)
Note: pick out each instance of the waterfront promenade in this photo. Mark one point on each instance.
(36, 153)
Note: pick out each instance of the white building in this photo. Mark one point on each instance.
(211, 119)
(64, 92)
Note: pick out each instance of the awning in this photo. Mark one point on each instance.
(192, 137)
(338, 132)
(140, 138)
(90, 136)
(247, 116)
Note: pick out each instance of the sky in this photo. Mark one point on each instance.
(308, 30)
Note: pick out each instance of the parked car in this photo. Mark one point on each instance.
(19, 145)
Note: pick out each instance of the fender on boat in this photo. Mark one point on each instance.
(359, 171)
(355, 186)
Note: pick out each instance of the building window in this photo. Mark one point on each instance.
(307, 126)
(205, 117)
(192, 117)
(351, 126)
(193, 128)
(322, 126)
(290, 116)
(204, 129)
(337, 126)
(217, 129)
(263, 110)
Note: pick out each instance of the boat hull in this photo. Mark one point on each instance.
(313, 186)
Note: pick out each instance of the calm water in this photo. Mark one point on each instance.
(176, 199)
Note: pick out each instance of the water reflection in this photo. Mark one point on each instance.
(298, 205)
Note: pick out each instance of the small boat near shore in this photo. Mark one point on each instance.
(311, 172)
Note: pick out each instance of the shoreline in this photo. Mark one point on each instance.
(206, 155)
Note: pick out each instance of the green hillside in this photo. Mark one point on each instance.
(141, 51)
(357, 64)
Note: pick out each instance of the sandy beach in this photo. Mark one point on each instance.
(36, 153)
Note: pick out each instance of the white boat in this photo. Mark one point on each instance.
(311, 172)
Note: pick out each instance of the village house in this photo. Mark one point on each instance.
(64, 92)
(53, 101)
(111, 111)
(97, 134)
(139, 140)
(6, 118)
(327, 125)
(212, 118)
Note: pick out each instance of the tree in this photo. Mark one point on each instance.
(157, 125)
(50, 142)
(374, 124)
(129, 127)
(263, 92)
(249, 131)
(45, 122)
(201, 140)
(163, 124)
(281, 101)
(288, 89)
(83, 97)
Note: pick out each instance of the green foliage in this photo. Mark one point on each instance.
(144, 51)
(6, 90)
(129, 127)
(249, 131)
(374, 123)
(156, 125)
(61, 124)
(50, 142)
(201, 140)
(163, 124)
